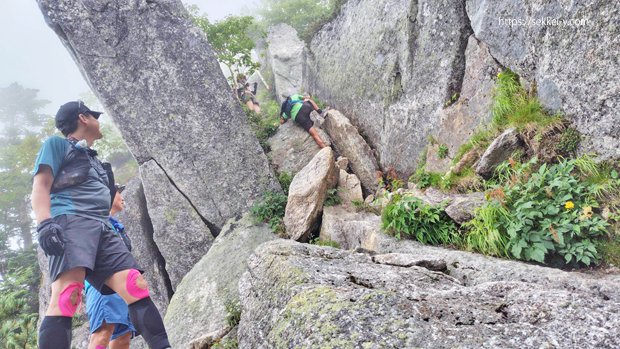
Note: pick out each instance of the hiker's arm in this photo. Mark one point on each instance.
(41, 187)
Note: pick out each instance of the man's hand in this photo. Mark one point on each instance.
(49, 237)
(282, 121)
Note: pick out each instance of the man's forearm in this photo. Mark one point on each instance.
(41, 203)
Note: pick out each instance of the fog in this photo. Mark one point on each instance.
(32, 55)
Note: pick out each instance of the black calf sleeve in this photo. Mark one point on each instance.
(55, 333)
(148, 322)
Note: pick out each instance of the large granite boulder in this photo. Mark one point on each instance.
(497, 152)
(179, 232)
(349, 188)
(299, 295)
(350, 144)
(391, 66)
(350, 229)
(460, 207)
(139, 228)
(307, 193)
(570, 50)
(157, 77)
(285, 54)
(199, 304)
(468, 110)
(292, 148)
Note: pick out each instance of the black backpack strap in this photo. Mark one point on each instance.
(111, 183)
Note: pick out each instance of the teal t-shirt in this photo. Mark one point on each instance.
(90, 199)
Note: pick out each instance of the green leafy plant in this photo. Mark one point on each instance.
(226, 344)
(285, 180)
(317, 241)
(485, 233)
(569, 142)
(332, 198)
(426, 179)
(230, 40)
(233, 312)
(270, 209)
(442, 153)
(552, 212)
(409, 216)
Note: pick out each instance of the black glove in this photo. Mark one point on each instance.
(319, 111)
(49, 237)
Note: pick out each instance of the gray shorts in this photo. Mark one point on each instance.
(93, 245)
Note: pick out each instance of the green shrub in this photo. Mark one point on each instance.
(409, 216)
(332, 198)
(569, 142)
(285, 180)
(426, 179)
(226, 344)
(442, 153)
(551, 212)
(330, 243)
(485, 233)
(513, 106)
(262, 127)
(270, 209)
(233, 313)
(609, 250)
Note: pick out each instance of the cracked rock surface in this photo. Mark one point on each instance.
(304, 296)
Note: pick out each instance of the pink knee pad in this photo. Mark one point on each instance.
(132, 287)
(67, 306)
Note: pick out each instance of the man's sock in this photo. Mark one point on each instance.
(148, 322)
(55, 332)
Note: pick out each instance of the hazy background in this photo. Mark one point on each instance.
(31, 54)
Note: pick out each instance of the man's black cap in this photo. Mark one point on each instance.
(119, 188)
(69, 112)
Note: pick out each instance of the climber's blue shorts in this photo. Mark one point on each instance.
(111, 308)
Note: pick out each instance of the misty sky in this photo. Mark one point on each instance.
(32, 55)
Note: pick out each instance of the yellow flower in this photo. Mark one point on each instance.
(569, 205)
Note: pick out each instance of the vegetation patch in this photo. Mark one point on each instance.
(545, 211)
(332, 198)
(319, 242)
(408, 216)
(233, 313)
(270, 209)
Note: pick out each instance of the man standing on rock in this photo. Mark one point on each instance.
(298, 108)
(71, 197)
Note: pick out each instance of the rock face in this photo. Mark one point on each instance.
(459, 207)
(307, 193)
(470, 109)
(199, 304)
(351, 230)
(403, 301)
(498, 151)
(349, 188)
(157, 76)
(292, 147)
(553, 51)
(286, 57)
(350, 144)
(139, 228)
(179, 232)
(390, 66)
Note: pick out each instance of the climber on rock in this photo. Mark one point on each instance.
(298, 108)
(71, 198)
